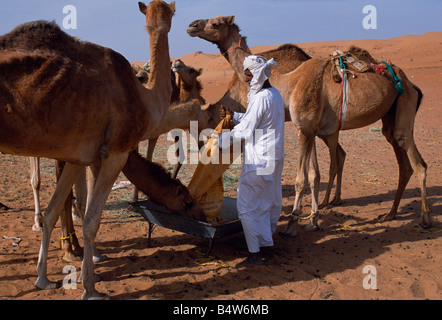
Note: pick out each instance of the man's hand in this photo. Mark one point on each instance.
(223, 112)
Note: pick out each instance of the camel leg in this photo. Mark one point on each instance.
(405, 114)
(35, 183)
(92, 174)
(178, 165)
(135, 195)
(305, 143)
(405, 169)
(64, 186)
(68, 241)
(105, 176)
(337, 159)
(420, 167)
(314, 180)
(79, 207)
(341, 160)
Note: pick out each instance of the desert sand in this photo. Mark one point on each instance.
(330, 264)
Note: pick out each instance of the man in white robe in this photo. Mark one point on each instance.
(261, 128)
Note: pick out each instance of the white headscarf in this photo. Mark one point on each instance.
(261, 70)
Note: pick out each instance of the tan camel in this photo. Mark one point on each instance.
(189, 87)
(187, 104)
(53, 74)
(315, 110)
(223, 32)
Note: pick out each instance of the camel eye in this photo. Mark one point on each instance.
(215, 25)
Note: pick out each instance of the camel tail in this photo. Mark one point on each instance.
(420, 96)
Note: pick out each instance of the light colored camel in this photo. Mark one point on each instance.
(68, 241)
(53, 77)
(315, 110)
(225, 34)
(79, 206)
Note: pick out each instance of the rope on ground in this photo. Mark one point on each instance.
(209, 261)
(354, 228)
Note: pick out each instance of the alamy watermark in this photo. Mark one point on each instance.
(70, 281)
(70, 20)
(370, 280)
(370, 21)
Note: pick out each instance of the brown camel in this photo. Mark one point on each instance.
(140, 73)
(45, 74)
(223, 32)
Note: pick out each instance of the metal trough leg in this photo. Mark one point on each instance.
(211, 241)
(150, 234)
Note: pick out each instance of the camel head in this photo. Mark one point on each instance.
(187, 74)
(183, 199)
(141, 74)
(158, 14)
(186, 81)
(215, 30)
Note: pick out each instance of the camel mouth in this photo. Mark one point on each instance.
(193, 32)
(177, 65)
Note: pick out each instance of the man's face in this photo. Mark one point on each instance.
(248, 75)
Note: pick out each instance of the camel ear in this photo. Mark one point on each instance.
(172, 7)
(230, 20)
(143, 7)
(178, 190)
(199, 71)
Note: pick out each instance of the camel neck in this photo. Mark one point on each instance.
(159, 77)
(235, 49)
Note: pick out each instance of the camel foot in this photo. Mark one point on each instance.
(70, 256)
(99, 258)
(37, 227)
(323, 204)
(94, 295)
(385, 217)
(290, 231)
(336, 201)
(426, 221)
(312, 227)
(43, 283)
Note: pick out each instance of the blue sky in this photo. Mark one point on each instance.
(119, 25)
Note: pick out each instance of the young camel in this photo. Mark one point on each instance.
(225, 34)
(186, 105)
(53, 74)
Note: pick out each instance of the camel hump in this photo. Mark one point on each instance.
(35, 35)
(362, 54)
